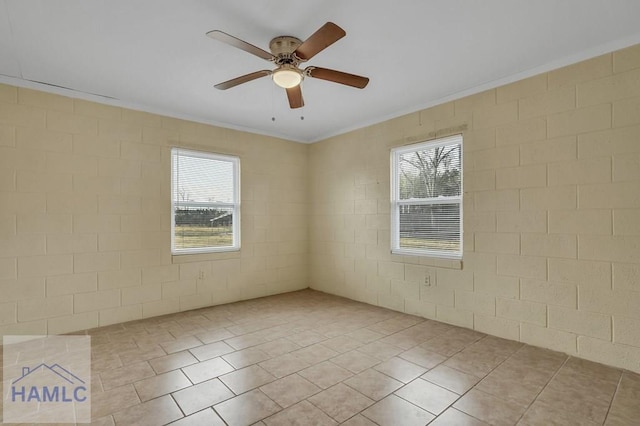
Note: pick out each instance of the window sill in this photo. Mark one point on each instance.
(201, 257)
(437, 262)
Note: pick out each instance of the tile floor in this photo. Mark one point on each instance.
(311, 358)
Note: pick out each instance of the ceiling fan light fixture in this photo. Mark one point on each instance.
(287, 76)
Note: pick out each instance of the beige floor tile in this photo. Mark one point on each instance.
(211, 350)
(515, 383)
(205, 417)
(247, 408)
(365, 335)
(427, 364)
(104, 360)
(393, 411)
(451, 342)
(453, 417)
(584, 396)
(277, 332)
(306, 338)
(474, 362)
(108, 402)
(539, 414)
(373, 384)
(290, 390)
(246, 341)
(340, 402)
(214, 335)
(217, 319)
(245, 357)
(428, 396)
(103, 421)
(391, 326)
(158, 411)
(564, 399)
(538, 358)
(380, 350)
(358, 420)
(161, 385)
(172, 362)
(153, 337)
(141, 354)
(451, 379)
(125, 375)
(400, 369)
(625, 403)
(402, 341)
(342, 344)
(284, 365)
(592, 369)
(618, 418)
(423, 357)
(203, 395)
(355, 361)
(314, 354)
(489, 408)
(181, 344)
(206, 370)
(498, 345)
(246, 379)
(427, 330)
(278, 347)
(325, 374)
(302, 414)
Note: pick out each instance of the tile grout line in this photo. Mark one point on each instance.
(544, 387)
(479, 381)
(614, 396)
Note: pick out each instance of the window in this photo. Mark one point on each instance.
(426, 198)
(205, 211)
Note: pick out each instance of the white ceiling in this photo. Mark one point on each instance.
(153, 55)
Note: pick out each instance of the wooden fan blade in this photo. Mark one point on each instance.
(295, 97)
(242, 79)
(337, 77)
(328, 34)
(240, 44)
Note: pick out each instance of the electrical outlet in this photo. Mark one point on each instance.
(427, 280)
(201, 274)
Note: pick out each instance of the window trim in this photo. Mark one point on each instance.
(396, 202)
(235, 226)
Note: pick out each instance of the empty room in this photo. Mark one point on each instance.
(321, 212)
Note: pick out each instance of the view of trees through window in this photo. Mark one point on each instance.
(430, 173)
(429, 194)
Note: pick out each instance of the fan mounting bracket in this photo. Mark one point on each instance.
(282, 48)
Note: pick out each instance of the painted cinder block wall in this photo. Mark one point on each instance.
(551, 213)
(85, 216)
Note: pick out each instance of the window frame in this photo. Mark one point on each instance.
(396, 202)
(235, 205)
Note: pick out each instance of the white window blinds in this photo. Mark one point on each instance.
(426, 198)
(205, 193)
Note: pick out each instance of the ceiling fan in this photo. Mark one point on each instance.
(287, 53)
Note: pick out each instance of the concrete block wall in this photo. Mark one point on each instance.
(85, 216)
(551, 213)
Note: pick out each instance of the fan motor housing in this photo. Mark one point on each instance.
(282, 48)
